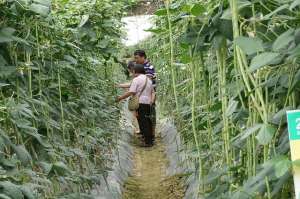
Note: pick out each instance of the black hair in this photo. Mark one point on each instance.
(139, 68)
(140, 53)
(130, 64)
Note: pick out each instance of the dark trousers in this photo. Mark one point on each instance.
(145, 123)
(153, 119)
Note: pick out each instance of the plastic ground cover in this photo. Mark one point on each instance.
(111, 187)
(178, 161)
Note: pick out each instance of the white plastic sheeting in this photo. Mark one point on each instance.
(135, 27)
(111, 187)
(178, 162)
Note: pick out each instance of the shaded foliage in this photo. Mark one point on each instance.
(58, 120)
(236, 70)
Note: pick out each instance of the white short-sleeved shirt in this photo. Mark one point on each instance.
(137, 85)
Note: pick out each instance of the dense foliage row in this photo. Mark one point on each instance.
(58, 121)
(231, 69)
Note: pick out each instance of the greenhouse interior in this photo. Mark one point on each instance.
(149, 99)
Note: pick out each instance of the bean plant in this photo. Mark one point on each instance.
(231, 69)
(58, 120)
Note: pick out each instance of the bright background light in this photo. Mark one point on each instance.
(135, 27)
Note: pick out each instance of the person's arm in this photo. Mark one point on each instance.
(125, 95)
(125, 85)
(153, 96)
(153, 72)
(150, 72)
(132, 91)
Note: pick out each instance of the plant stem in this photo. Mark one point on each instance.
(61, 105)
(193, 72)
(167, 5)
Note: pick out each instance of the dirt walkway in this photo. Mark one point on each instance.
(149, 180)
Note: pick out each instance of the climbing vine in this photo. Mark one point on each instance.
(58, 120)
(236, 70)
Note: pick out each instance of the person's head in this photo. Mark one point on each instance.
(139, 69)
(130, 66)
(140, 56)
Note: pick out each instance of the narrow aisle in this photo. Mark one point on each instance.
(149, 180)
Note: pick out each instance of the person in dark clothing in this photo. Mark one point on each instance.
(140, 57)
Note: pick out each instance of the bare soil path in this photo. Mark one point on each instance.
(149, 180)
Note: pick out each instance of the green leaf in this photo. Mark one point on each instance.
(295, 53)
(2, 148)
(8, 164)
(24, 2)
(3, 85)
(161, 12)
(11, 190)
(215, 174)
(282, 166)
(84, 19)
(249, 45)
(294, 4)
(27, 192)
(3, 61)
(261, 60)
(3, 196)
(240, 4)
(215, 107)
(6, 35)
(231, 107)
(197, 9)
(265, 134)
(218, 42)
(43, 2)
(296, 163)
(239, 140)
(71, 59)
(283, 7)
(297, 36)
(185, 58)
(250, 131)
(5, 138)
(282, 42)
(280, 116)
(33, 132)
(46, 167)
(40, 9)
(60, 169)
(225, 28)
(22, 154)
(103, 43)
(186, 8)
(156, 30)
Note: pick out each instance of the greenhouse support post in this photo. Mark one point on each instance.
(293, 118)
